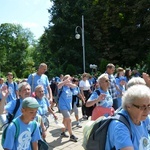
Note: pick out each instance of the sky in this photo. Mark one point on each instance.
(31, 14)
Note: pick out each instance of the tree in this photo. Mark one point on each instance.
(14, 41)
(116, 31)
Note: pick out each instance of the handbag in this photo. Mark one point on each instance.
(43, 145)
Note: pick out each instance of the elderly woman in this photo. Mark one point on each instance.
(136, 108)
(102, 99)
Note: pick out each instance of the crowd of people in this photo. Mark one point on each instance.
(124, 91)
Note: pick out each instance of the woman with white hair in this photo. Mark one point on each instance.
(136, 108)
(135, 81)
(102, 99)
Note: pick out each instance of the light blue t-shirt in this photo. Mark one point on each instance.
(119, 135)
(38, 80)
(44, 104)
(107, 102)
(75, 92)
(23, 142)
(12, 91)
(65, 99)
(9, 107)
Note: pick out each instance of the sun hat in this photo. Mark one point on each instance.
(30, 102)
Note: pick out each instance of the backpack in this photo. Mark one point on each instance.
(89, 110)
(14, 85)
(9, 116)
(96, 138)
(17, 126)
(42, 145)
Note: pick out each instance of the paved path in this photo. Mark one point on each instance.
(58, 143)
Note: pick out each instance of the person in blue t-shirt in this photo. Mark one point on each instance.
(12, 88)
(44, 108)
(136, 109)
(24, 91)
(28, 130)
(121, 83)
(65, 105)
(39, 78)
(103, 100)
(75, 100)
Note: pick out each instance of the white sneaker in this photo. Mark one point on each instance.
(79, 125)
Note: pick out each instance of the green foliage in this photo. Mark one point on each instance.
(14, 48)
(116, 31)
(102, 66)
(71, 70)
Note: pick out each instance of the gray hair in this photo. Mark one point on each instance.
(135, 92)
(22, 84)
(135, 81)
(102, 76)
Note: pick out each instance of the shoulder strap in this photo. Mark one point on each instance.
(98, 92)
(5, 130)
(16, 107)
(60, 92)
(15, 122)
(32, 81)
(14, 85)
(35, 125)
(124, 120)
(6, 83)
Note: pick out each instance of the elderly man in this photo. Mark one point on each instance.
(39, 78)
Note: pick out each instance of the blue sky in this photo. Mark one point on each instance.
(32, 14)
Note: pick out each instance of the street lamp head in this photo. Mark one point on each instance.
(77, 36)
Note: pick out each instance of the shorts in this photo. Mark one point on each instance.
(65, 113)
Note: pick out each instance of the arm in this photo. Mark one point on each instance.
(81, 97)
(146, 78)
(43, 129)
(90, 103)
(50, 95)
(50, 111)
(5, 93)
(34, 145)
(81, 89)
(127, 148)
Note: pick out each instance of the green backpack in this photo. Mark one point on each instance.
(42, 145)
(17, 126)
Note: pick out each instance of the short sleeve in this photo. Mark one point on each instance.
(119, 135)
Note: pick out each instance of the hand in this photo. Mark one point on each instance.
(44, 134)
(4, 91)
(101, 97)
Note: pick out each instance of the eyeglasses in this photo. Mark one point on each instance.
(142, 107)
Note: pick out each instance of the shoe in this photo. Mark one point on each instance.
(63, 134)
(78, 125)
(85, 117)
(73, 138)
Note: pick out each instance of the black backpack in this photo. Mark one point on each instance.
(9, 116)
(89, 110)
(98, 134)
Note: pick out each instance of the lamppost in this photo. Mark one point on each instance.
(77, 36)
(93, 67)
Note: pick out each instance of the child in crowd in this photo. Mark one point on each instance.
(28, 130)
